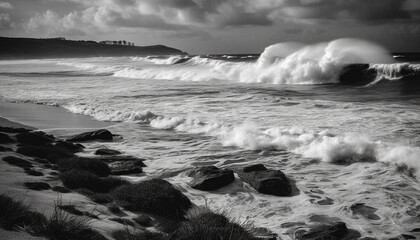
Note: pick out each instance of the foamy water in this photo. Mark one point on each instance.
(340, 144)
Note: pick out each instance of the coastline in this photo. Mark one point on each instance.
(39, 116)
(107, 222)
(42, 188)
(7, 123)
(13, 179)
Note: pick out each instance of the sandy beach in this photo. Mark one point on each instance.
(13, 178)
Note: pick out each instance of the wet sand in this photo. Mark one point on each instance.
(46, 117)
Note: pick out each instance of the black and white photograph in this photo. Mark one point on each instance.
(209, 119)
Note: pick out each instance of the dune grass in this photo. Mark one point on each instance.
(155, 196)
(64, 226)
(15, 214)
(60, 226)
(202, 224)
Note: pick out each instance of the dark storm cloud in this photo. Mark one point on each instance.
(368, 11)
(105, 15)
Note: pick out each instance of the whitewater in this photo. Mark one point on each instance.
(341, 119)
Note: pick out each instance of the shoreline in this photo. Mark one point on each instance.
(48, 117)
(42, 188)
(108, 223)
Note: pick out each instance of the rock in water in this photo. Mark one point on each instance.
(331, 232)
(267, 181)
(106, 151)
(126, 167)
(101, 134)
(211, 178)
(364, 210)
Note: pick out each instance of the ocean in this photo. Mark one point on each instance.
(340, 119)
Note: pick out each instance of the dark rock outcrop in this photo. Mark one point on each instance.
(267, 181)
(106, 151)
(331, 232)
(4, 138)
(37, 186)
(73, 147)
(210, 178)
(126, 167)
(101, 134)
(365, 211)
(154, 196)
(34, 138)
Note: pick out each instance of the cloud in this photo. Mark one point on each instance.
(5, 22)
(5, 5)
(170, 15)
(364, 11)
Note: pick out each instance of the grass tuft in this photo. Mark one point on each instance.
(63, 226)
(155, 196)
(206, 225)
(14, 214)
(60, 226)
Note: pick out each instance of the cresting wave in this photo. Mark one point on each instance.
(282, 63)
(340, 149)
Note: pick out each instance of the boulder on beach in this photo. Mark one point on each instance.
(126, 167)
(154, 196)
(267, 181)
(210, 178)
(106, 151)
(101, 134)
(331, 231)
(35, 138)
(72, 147)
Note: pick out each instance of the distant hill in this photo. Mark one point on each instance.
(57, 48)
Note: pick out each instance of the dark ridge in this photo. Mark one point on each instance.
(17, 48)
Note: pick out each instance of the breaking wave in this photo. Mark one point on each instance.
(282, 63)
(344, 148)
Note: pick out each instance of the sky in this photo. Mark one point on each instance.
(216, 26)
